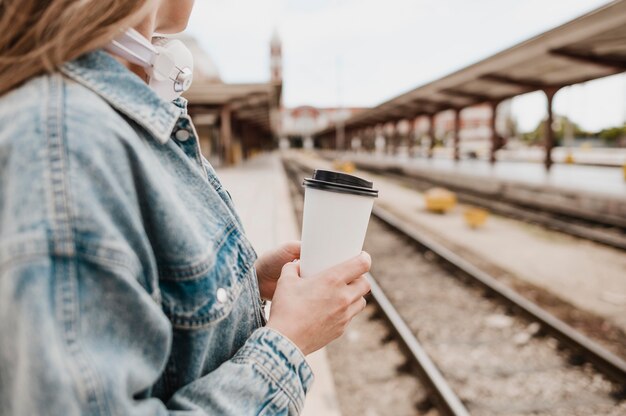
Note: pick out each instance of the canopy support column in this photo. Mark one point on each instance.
(431, 135)
(412, 146)
(549, 129)
(495, 142)
(457, 131)
(226, 134)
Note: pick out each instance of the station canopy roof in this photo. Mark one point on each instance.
(250, 103)
(589, 47)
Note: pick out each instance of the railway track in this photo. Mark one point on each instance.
(610, 233)
(483, 349)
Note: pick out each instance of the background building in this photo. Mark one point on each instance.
(299, 124)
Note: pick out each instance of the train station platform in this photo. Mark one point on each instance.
(587, 275)
(260, 192)
(581, 191)
(602, 180)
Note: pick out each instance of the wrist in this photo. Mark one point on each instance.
(286, 333)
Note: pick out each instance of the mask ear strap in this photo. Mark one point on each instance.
(162, 66)
(133, 47)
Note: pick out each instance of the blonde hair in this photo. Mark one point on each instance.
(37, 36)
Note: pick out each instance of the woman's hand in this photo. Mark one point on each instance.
(269, 266)
(313, 311)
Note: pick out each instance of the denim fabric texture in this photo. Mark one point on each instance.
(127, 284)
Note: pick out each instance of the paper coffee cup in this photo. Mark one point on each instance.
(337, 209)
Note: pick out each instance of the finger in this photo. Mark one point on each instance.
(291, 269)
(356, 307)
(351, 269)
(292, 249)
(359, 287)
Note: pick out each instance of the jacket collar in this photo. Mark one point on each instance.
(126, 92)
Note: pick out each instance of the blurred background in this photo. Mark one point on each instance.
(495, 131)
(335, 58)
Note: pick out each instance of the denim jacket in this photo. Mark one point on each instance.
(127, 284)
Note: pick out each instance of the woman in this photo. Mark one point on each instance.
(127, 285)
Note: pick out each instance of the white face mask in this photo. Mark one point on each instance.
(168, 62)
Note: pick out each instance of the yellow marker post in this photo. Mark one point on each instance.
(344, 166)
(475, 217)
(439, 200)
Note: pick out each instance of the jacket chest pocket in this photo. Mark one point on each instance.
(200, 294)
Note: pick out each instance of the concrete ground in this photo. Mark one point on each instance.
(261, 195)
(590, 276)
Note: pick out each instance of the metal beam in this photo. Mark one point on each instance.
(404, 110)
(375, 119)
(617, 62)
(250, 100)
(531, 84)
(431, 107)
(253, 112)
(478, 98)
(388, 118)
(397, 113)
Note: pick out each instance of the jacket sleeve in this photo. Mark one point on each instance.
(267, 376)
(79, 335)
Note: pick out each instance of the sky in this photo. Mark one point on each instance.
(360, 53)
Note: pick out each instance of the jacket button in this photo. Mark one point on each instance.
(182, 135)
(222, 296)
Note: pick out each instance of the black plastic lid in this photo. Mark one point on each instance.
(340, 182)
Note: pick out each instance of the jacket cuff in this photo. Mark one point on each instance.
(279, 360)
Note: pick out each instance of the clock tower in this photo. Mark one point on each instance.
(276, 59)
